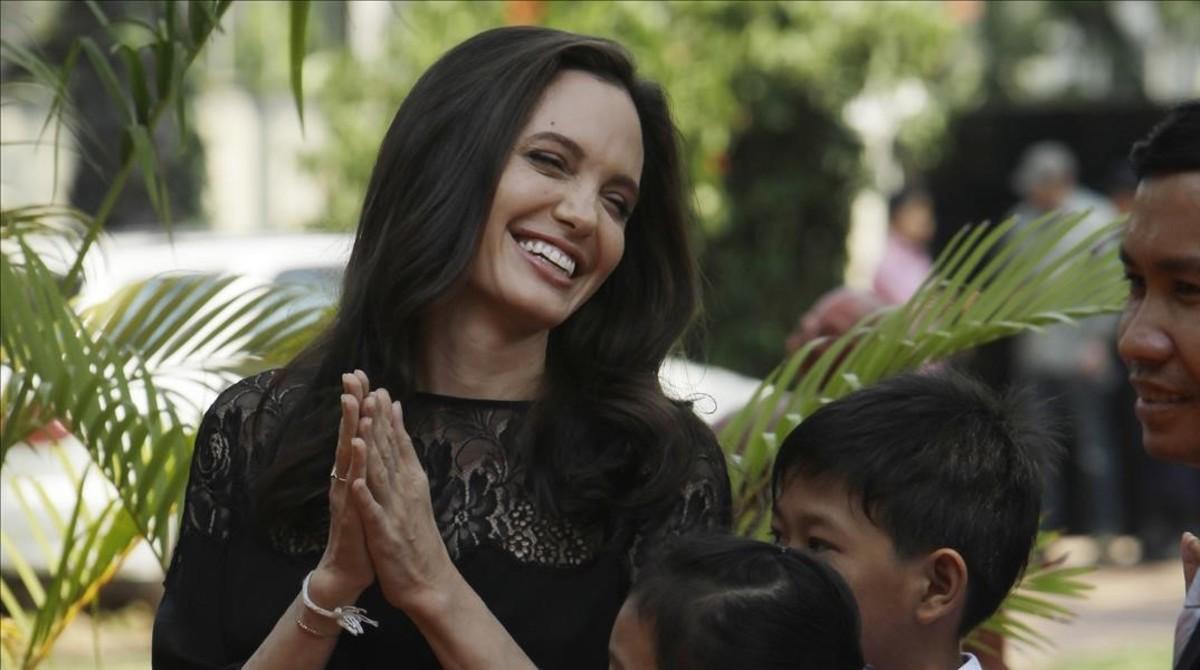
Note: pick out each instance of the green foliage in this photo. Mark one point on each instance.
(113, 373)
(785, 242)
(1015, 36)
(699, 52)
(990, 282)
(772, 222)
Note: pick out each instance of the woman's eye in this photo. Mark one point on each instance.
(547, 160)
(620, 209)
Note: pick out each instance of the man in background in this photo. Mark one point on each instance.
(1070, 367)
(1159, 331)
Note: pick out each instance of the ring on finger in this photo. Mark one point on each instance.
(333, 475)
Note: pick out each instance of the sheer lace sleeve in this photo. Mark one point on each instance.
(188, 631)
(703, 504)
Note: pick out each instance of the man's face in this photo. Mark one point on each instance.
(1159, 333)
(819, 515)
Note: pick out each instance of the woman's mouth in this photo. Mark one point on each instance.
(555, 256)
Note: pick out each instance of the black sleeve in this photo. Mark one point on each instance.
(188, 627)
(703, 504)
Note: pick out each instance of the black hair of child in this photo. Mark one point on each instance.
(1172, 146)
(904, 196)
(936, 460)
(721, 602)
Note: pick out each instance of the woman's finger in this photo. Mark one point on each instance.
(377, 475)
(363, 381)
(374, 518)
(358, 460)
(405, 451)
(382, 424)
(353, 385)
(346, 430)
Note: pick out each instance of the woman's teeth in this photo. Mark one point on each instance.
(551, 253)
(1156, 398)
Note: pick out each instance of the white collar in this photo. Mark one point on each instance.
(969, 662)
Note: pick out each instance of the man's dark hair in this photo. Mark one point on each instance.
(1173, 146)
(935, 460)
(721, 602)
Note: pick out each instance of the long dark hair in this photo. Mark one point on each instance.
(722, 602)
(605, 437)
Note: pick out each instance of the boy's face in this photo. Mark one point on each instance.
(631, 645)
(820, 515)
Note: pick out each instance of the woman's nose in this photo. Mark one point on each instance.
(578, 209)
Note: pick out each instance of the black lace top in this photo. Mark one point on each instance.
(555, 586)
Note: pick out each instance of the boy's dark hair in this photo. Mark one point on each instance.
(1173, 146)
(936, 460)
(720, 602)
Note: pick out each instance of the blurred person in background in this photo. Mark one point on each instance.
(1070, 366)
(906, 261)
(1159, 331)
(1120, 187)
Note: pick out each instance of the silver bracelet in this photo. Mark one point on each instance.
(349, 617)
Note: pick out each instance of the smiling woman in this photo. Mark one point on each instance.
(557, 225)
(520, 271)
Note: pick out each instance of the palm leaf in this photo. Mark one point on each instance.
(113, 373)
(118, 376)
(990, 282)
(93, 544)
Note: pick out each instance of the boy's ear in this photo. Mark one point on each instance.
(945, 591)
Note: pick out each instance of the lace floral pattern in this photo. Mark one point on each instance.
(476, 490)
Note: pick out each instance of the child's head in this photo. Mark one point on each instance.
(723, 602)
(924, 492)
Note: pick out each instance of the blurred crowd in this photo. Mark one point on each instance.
(1127, 505)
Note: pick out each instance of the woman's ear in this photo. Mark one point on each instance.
(945, 592)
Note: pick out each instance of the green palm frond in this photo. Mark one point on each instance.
(1045, 578)
(85, 550)
(118, 375)
(113, 374)
(991, 281)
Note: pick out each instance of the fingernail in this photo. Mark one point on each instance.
(1189, 538)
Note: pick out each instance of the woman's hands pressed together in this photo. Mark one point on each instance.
(393, 503)
(382, 528)
(345, 569)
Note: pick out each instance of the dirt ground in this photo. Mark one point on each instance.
(1125, 624)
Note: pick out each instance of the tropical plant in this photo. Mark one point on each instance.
(114, 374)
(991, 281)
(758, 91)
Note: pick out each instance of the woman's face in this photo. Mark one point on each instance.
(556, 228)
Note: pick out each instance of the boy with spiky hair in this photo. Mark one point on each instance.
(924, 491)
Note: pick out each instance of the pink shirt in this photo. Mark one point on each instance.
(901, 270)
